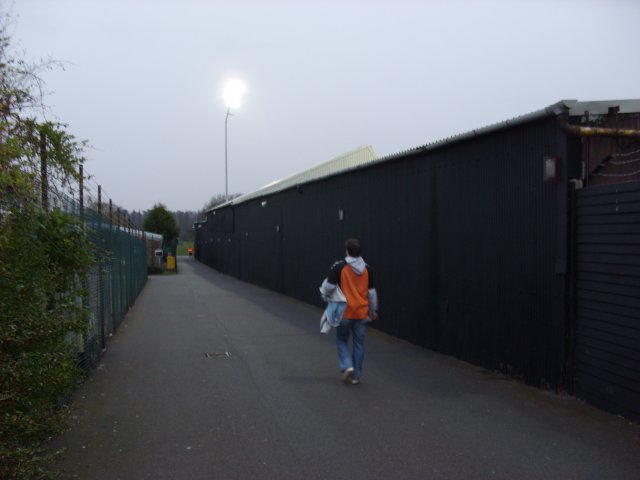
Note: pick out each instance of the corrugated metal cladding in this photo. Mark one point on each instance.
(355, 158)
(467, 242)
(607, 354)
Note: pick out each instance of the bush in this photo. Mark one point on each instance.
(43, 257)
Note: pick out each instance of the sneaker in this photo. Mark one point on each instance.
(355, 381)
(347, 374)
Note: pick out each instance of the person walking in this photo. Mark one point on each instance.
(355, 279)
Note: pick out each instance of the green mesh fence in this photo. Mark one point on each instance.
(114, 283)
(119, 274)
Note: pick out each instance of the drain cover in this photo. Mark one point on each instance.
(218, 355)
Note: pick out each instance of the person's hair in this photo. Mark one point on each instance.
(353, 247)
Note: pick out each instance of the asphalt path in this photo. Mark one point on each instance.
(211, 378)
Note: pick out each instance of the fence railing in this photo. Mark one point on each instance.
(120, 270)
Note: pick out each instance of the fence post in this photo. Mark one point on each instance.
(101, 256)
(119, 265)
(44, 180)
(145, 254)
(113, 256)
(91, 354)
(130, 266)
(123, 269)
(82, 193)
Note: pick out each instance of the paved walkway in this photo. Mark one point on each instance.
(211, 378)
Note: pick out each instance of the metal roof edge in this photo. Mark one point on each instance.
(558, 108)
(289, 182)
(319, 166)
(601, 107)
(569, 107)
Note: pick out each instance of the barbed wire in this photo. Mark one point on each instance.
(609, 161)
(64, 193)
(627, 154)
(628, 174)
(624, 162)
(95, 192)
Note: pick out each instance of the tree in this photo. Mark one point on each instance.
(185, 221)
(44, 257)
(160, 220)
(214, 201)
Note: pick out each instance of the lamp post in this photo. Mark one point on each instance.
(232, 96)
(226, 176)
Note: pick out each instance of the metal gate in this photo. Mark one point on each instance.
(607, 320)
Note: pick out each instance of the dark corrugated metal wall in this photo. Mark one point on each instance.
(467, 242)
(607, 351)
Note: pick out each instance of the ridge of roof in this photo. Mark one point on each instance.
(365, 156)
(354, 158)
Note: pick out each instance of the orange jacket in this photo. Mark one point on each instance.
(357, 283)
(356, 290)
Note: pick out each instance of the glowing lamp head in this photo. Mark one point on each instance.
(233, 91)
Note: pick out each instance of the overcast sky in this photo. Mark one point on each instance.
(143, 79)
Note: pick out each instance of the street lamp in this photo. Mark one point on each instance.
(232, 96)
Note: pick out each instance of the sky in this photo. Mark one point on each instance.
(142, 80)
